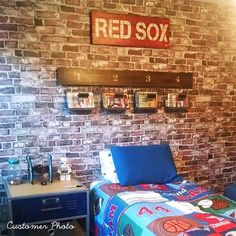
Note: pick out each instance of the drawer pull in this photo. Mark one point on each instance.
(51, 209)
(178, 79)
(51, 200)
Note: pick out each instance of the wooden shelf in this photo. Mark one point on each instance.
(176, 109)
(125, 78)
(115, 110)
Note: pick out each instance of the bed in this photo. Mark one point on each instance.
(128, 203)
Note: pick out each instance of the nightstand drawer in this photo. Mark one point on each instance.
(49, 207)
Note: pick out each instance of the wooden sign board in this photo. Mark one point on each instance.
(125, 78)
(130, 30)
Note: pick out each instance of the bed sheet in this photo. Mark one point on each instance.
(181, 208)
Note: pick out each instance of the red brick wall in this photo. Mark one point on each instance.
(38, 36)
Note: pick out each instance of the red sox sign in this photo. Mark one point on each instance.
(130, 30)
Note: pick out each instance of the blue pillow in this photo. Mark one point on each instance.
(151, 164)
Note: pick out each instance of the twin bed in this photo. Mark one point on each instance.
(142, 195)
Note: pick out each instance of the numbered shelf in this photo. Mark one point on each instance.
(115, 101)
(176, 103)
(145, 101)
(80, 100)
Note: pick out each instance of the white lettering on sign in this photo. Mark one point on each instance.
(130, 30)
(115, 29)
(100, 25)
(140, 27)
(125, 24)
(144, 32)
(163, 32)
(121, 29)
(149, 32)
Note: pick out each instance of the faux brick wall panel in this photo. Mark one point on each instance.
(37, 37)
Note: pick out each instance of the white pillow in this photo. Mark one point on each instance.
(107, 166)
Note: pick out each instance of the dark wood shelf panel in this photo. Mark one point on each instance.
(176, 109)
(118, 110)
(146, 108)
(82, 109)
(124, 78)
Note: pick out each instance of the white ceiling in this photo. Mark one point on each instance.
(223, 2)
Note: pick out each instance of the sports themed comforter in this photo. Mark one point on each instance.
(182, 208)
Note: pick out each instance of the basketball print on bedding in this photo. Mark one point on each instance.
(172, 226)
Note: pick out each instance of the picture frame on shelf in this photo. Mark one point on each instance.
(80, 100)
(115, 101)
(147, 101)
(176, 103)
